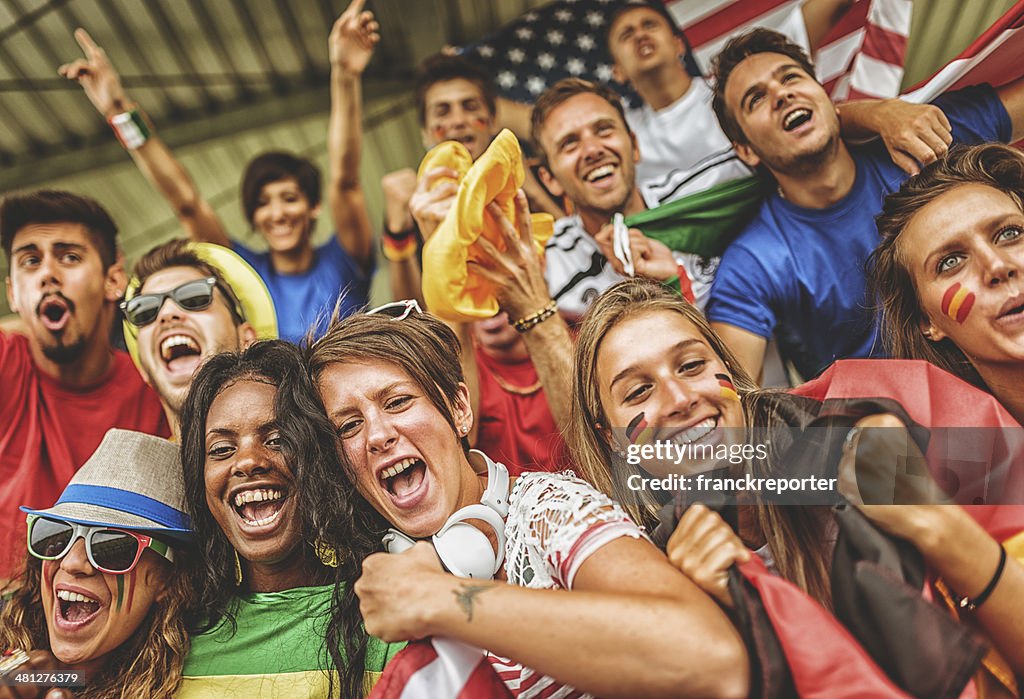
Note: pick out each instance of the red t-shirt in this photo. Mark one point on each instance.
(517, 430)
(47, 431)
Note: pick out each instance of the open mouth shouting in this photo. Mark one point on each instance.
(180, 353)
(75, 609)
(405, 481)
(55, 311)
(259, 508)
(795, 118)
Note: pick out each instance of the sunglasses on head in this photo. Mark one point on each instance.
(196, 295)
(114, 551)
(397, 310)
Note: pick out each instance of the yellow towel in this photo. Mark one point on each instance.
(450, 290)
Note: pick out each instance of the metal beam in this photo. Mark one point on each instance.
(103, 149)
(179, 52)
(216, 40)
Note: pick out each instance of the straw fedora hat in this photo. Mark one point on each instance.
(132, 481)
(247, 286)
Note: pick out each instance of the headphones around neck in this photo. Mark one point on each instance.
(464, 550)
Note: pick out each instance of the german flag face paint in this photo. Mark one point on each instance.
(957, 302)
(726, 388)
(638, 430)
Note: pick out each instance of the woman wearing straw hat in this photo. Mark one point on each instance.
(103, 589)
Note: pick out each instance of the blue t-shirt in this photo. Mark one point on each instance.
(799, 272)
(300, 299)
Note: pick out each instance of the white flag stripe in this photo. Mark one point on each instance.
(687, 12)
(841, 90)
(448, 674)
(835, 58)
(892, 15)
(954, 71)
(772, 20)
(876, 78)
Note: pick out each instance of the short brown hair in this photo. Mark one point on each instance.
(420, 344)
(993, 164)
(52, 206)
(275, 166)
(739, 48)
(177, 253)
(562, 91)
(441, 68)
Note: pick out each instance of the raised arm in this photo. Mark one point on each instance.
(350, 46)
(819, 18)
(102, 85)
(914, 134)
(518, 276)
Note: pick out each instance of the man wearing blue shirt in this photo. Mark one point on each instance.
(797, 270)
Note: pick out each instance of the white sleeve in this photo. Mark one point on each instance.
(555, 523)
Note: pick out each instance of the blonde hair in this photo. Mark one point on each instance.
(148, 664)
(586, 435)
(795, 534)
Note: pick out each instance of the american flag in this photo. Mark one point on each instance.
(862, 56)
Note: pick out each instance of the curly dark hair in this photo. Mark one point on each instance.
(325, 500)
(148, 664)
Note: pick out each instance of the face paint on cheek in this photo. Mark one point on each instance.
(120, 591)
(131, 591)
(957, 302)
(726, 387)
(479, 123)
(638, 429)
(438, 132)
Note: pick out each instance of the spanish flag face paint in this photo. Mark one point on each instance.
(957, 302)
(638, 430)
(726, 388)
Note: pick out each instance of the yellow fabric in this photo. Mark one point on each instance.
(450, 289)
(292, 685)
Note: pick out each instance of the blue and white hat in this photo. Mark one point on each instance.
(132, 481)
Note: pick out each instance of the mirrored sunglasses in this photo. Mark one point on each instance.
(114, 551)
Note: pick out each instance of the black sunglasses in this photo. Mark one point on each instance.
(196, 295)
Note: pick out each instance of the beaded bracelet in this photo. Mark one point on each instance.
(130, 128)
(531, 321)
(972, 604)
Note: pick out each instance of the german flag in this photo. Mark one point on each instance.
(638, 429)
(957, 302)
(727, 389)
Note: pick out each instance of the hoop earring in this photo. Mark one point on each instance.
(238, 570)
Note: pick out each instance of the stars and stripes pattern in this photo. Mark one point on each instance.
(863, 56)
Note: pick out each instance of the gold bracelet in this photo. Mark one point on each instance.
(535, 319)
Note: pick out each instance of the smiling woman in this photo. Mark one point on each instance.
(103, 594)
(278, 616)
(583, 579)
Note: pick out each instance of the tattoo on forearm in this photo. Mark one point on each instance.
(466, 595)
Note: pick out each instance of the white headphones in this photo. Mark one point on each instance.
(463, 549)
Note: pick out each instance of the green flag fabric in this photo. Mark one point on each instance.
(703, 223)
(277, 650)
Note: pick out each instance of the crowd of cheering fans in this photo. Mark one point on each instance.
(223, 474)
